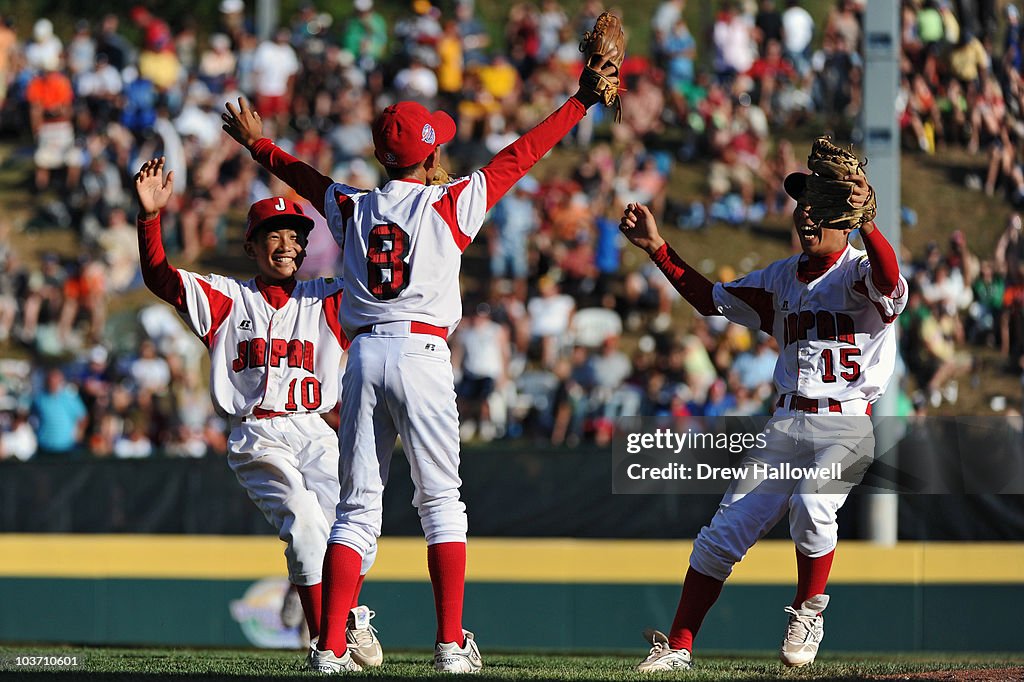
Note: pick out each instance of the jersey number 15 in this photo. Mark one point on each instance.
(847, 360)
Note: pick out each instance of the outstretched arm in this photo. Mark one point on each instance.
(153, 192)
(885, 269)
(245, 127)
(639, 227)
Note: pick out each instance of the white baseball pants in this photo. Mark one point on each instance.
(289, 467)
(749, 510)
(397, 383)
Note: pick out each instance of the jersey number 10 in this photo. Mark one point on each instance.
(309, 394)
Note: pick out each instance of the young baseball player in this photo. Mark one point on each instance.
(831, 310)
(275, 347)
(403, 246)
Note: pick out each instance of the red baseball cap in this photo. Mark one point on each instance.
(276, 210)
(407, 132)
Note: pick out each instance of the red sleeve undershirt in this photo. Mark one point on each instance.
(694, 287)
(885, 271)
(300, 176)
(160, 277)
(513, 162)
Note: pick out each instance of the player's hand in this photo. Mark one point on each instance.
(588, 97)
(243, 124)
(861, 190)
(152, 189)
(639, 226)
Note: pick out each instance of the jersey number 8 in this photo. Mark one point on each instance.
(387, 273)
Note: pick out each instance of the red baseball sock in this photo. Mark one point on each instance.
(811, 576)
(341, 574)
(699, 594)
(446, 562)
(310, 597)
(359, 587)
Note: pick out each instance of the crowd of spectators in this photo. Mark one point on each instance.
(559, 338)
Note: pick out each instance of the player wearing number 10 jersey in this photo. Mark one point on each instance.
(275, 350)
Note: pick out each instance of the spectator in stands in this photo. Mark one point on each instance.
(481, 351)
(275, 66)
(50, 99)
(797, 33)
(133, 442)
(18, 440)
(59, 416)
(46, 49)
(550, 316)
(986, 319)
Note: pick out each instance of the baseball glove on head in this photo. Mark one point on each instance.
(826, 193)
(605, 44)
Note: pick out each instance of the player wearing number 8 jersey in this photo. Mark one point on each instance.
(831, 310)
(403, 246)
(275, 347)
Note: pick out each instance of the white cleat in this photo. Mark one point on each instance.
(449, 657)
(361, 638)
(804, 632)
(663, 657)
(328, 662)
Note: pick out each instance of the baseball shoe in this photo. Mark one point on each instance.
(361, 638)
(662, 656)
(804, 632)
(449, 657)
(328, 662)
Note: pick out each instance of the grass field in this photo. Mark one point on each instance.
(212, 665)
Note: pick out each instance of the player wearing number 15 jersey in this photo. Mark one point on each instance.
(275, 347)
(403, 246)
(830, 310)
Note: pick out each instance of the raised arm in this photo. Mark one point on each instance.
(153, 192)
(885, 269)
(245, 127)
(640, 228)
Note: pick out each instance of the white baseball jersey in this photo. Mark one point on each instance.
(835, 333)
(265, 359)
(403, 247)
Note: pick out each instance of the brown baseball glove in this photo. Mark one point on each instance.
(827, 194)
(605, 44)
(441, 177)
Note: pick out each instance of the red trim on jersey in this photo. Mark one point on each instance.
(862, 288)
(885, 269)
(410, 180)
(811, 268)
(761, 300)
(693, 286)
(448, 208)
(331, 305)
(513, 162)
(159, 276)
(300, 176)
(220, 308)
(276, 294)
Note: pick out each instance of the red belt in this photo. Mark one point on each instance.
(414, 327)
(260, 413)
(802, 404)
